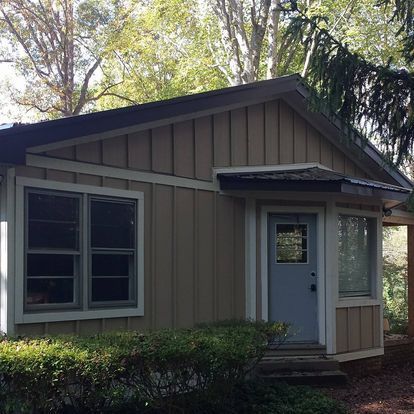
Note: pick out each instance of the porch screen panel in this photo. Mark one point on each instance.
(356, 256)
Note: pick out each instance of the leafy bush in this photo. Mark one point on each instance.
(275, 332)
(259, 398)
(395, 279)
(159, 370)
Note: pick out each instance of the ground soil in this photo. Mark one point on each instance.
(390, 392)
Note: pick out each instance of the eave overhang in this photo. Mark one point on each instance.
(311, 180)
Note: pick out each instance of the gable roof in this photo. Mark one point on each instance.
(16, 140)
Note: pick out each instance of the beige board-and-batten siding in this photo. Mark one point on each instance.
(194, 239)
(271, 133)
(194, 257)
(358, 328)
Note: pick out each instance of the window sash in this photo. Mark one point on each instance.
(76, 253)
(108, 250)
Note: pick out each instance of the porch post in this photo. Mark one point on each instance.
(410, 275)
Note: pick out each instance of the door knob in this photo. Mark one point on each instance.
(313, 273)
(312, 287)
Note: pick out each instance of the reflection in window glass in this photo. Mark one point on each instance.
(49, 291)
(112, 224)
(53, 221)
(52, 248)
(356, 239)
(112, 250)
(291, 243)
(107, 289)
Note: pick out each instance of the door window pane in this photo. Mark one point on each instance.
(356, 241)
(291, 243)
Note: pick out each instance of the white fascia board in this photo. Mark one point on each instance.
(114, 172)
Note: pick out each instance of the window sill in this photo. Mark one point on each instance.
(357, 301)
(60, 316)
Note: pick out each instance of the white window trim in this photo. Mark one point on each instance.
(320, 224)
(54, 316)
(376, 285)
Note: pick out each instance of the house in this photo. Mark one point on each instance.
(236, 203)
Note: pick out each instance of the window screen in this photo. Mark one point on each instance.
(356, 254)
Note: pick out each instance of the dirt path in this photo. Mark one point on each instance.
(391, 392)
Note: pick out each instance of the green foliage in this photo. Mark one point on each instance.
(274, 332)
(259, 398)
(377, 99)
(159, 370)
(395, 278)
(160, 53)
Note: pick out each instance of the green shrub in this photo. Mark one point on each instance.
(259, 398)
(156, 370)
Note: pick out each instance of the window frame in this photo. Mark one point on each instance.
(375, 257)
(51, 313)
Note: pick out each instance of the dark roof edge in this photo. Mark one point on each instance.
(368, 148)
(15, 140)
(187, 99)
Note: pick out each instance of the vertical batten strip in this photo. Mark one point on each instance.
(193, 129)
(250, 257)
(348, 330)
(151, 150)
(360, 327)
(215, 290)
(174, 260)
(195, 262)
(153, 272)
(233, 263)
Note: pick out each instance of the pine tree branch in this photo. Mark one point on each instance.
(378, 100)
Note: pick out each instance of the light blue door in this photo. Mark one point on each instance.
(293, 274)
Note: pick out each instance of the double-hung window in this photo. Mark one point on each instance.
(357, 255)
(82, 251)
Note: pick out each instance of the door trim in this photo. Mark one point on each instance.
(320, 225)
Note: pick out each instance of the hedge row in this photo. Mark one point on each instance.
(166, 371)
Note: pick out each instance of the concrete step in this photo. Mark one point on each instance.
(296, 351)
(314, 378)
(287, 364)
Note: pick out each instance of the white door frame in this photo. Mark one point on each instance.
(320, 225)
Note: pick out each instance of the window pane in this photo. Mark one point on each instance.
(111, 264)
(50, 265)
(291, 243)
(110, 289)
(53, 207)
(40, 290)
(354, 255)
(43, 234)
(112, 224)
